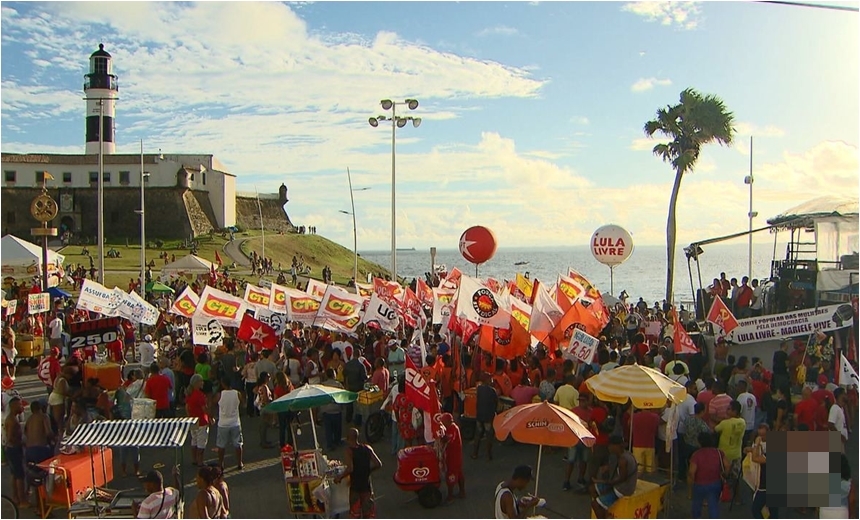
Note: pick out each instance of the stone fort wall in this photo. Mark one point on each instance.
(171, 213)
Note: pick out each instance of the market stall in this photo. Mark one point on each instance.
(76, 480)
(309, 475)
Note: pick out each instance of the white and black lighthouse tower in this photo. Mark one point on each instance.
(101, 90)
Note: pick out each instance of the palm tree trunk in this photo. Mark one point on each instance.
(670, 238)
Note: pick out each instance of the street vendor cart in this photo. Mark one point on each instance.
(76, 480)
(308, 474)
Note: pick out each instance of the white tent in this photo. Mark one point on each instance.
(187, 265)
(22, 259)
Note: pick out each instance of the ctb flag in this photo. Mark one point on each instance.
(257, 333)
(721, 316)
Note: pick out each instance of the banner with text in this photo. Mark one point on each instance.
(95, 297)
(93, 333)
(582, 347)
(276, 320)
(186, 304)
(38, 303)
(794, 323)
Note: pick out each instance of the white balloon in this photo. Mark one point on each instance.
(611, 245)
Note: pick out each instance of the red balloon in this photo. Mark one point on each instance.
(477, 244)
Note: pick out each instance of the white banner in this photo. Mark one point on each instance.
(338, 304)
(847, 374)
(38, 303)
(278, 298)
(207, 331)
(134, 308)
(302, 307)
(224, 307)
(257, 297)
(316, 288)
(443, 304)
(582, 347)
(95, 297)
(381, 314)
(276, 320)
(11, 307)
(794, 323)
(186, 304)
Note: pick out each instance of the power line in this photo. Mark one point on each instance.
(818, 6)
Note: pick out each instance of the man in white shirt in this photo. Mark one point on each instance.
(56, 328)
(668, 420)
(748, 407)
(757, 299)
(836, 417)
(229, 426)
(146, 351)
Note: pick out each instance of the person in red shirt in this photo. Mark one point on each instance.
(640, 348)
(805, 410)
(128, 335)
(115, 351)
(196, 406)
(645, 425)
(822, 393)
(453, 457)
(744, 298)
(157, 387)
(515, 371)
(49, 369)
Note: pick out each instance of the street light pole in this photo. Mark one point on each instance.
(354, 232)
(751, 215)
(396, 122)
(142, 212)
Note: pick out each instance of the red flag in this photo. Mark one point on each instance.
(257, 333)
(575, 317)
(721, 316)
(218, 259)
(683, 343)
(425, 294)
(418, 391)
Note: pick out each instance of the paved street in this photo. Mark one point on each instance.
(258, 491)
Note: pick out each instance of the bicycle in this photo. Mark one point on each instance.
(8, 509)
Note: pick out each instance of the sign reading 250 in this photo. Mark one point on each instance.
(94, 340)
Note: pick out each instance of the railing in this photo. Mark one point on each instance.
(108, 81)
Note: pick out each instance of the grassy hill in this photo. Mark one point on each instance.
(317, 252)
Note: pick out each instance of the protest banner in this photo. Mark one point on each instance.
(207, 332)
(787, 324)
(582, 347)
(38, 303)
(93, 333)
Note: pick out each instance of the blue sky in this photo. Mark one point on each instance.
(533, 113)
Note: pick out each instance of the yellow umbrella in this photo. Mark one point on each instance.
(643, 386)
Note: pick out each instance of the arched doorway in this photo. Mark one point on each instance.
(67, 223)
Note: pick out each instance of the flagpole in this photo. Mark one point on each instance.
(262, 229)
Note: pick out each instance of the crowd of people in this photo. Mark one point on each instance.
(730, 407)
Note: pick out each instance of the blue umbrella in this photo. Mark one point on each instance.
(56, 292)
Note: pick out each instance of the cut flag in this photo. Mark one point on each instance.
(721, 316)
(682, 341)
(257, 333)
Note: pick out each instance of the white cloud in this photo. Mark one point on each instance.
(643, 143)
(498, 30)
(580, 120)
(644, 84)
(749, 129)
(680, 14)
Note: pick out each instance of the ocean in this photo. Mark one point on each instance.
(643, 274)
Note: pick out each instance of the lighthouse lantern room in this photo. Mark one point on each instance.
(101, 90)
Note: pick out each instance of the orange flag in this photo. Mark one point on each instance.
(575, 317)
(505, 343)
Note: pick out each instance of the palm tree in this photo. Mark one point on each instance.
(695, 121)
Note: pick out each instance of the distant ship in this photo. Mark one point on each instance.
(521, 263)
(406, 249)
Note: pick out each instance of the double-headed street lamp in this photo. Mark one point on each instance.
(396, 122)
(354, 231)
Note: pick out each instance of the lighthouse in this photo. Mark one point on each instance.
(101, 89)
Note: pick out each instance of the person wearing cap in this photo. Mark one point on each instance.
(618, 481)
(161, 502)
(507, 505)
(146, 351)
(821, 393)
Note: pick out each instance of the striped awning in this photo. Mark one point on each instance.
(143, 433)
